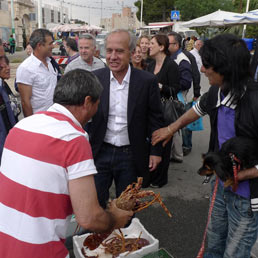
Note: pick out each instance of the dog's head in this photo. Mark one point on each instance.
(214, 162)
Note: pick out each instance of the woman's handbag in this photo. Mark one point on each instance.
(172, 109)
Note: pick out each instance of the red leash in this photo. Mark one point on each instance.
(201, 251)
(236, 168)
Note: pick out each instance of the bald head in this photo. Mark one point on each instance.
(198, 44)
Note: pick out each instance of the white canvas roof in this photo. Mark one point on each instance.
(215, 19)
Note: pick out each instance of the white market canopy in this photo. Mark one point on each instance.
(215, 19)
(244, 18)
(75, 28)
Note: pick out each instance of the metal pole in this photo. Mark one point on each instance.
(39, 14)
(101, 11)
(61, 12)
(71, 11)
(12, 15)
(89, 14)
(247, 9)
(141, 16)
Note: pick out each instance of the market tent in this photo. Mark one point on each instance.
(244, 18)
(56, 28)
(215, 19)
(75, 28)
(84, 28)
(70, 27)
(96, 28)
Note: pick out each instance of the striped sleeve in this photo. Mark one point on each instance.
(79, 158)
(199, 107)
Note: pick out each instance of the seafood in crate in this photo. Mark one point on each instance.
(133, 241)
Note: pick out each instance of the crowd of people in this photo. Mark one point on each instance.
(103, 123)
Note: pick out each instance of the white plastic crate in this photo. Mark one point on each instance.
(133, 230)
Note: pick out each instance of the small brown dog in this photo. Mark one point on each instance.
(236, 154)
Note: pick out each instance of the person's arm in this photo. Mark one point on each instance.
(196, 77)
(155, 115)
(247, 173)
(89, 214)
(25, 93)
(186, 76)
(166, 133)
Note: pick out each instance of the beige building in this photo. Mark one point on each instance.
(5, 21)
(24, 20)
(125, 20)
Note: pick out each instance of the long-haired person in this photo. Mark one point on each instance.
(167, 73)
(231, 103)
(137, 59)
(144, 42)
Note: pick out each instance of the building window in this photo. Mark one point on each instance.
(3, 5)
(59, 17)
(52, 15)
(43, 15)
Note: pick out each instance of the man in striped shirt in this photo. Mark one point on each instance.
(47, 174)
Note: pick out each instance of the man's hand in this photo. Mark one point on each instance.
(160, 135)
(121, 216)
(153, 162)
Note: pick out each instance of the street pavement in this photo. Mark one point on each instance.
(184, 195)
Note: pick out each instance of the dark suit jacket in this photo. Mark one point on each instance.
(144, 115)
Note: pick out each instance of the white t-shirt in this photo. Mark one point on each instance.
(43, 81)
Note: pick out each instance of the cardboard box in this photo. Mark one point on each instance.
(133, 230)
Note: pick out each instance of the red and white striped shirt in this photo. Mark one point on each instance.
(41, 154)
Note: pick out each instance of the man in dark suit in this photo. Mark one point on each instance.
(129, 111)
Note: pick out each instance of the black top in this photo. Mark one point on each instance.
(3, 108)
(168, 76)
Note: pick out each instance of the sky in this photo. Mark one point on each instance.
(91, 10)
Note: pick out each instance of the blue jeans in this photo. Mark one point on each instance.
(187, 138)
(113, 163)
(232, 230)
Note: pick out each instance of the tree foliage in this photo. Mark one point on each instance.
(155, 10)
(159, 10)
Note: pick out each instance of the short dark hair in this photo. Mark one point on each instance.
(178, 38)
(162, 40)
(75, 85)
(5, 58)
(39, 36)
(228, 55)
(71, 43)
